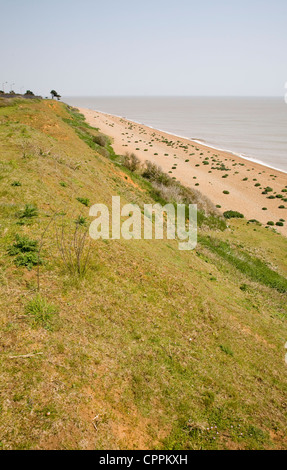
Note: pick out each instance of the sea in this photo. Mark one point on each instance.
(254, 128)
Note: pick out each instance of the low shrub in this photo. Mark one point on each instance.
(170, 194)
(254, 221)
(244, 287)
(83, 200)
(101, 140)
(232, 215)
(154, 173)
(29, 211)
(27, 260)
(248, 264)
(26, 252)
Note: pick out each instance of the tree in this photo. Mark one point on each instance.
(55, 95)
(29, 92)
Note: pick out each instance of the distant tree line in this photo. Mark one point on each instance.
(54, 93)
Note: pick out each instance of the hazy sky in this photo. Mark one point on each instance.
(149, 47)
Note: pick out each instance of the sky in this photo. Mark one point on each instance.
(147, 48)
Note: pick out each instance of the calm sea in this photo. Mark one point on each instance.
(255, 128)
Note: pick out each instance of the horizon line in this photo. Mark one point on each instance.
(173, 96)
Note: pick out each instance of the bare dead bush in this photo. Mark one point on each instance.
(132, 162)
(75, 250)
(193, 196)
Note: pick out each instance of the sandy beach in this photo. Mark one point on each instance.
(230, 181)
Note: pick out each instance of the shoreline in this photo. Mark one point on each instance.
(240, 155)
(238, 185)
(197, 141)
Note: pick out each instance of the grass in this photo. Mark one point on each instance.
(40, 312)
(165, 190)
(22, 244)
(138, 340)
(251, 266)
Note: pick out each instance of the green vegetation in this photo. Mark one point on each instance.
(29, 211)
(54, 94)
(83, 200)
(254, 221)
(81, 220)
(132, 162)
(92, 137)
(233, 215)
(249, 265)
(226, 350)
(40, 312)
(164, 190)
(167, 349)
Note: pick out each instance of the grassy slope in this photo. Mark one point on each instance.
(159, 344)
